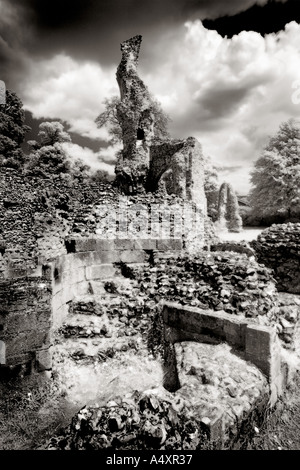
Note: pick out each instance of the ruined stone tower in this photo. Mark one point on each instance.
(147, 164)
(136, 117)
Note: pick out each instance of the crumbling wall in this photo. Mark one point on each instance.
(258, 344)
(136, 117)
(25, 321)
(174, 166)
(278, 247)
(178, 167)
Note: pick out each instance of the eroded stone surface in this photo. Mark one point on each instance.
(278, 247)
(173, 166)
(217, 381)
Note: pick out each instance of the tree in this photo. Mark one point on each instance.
(47, 156)
(211, 187)
(228, 210)
(276, 177)
(50, 133)
(109, 118)
(12, 131)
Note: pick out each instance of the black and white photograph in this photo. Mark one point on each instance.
(150, 228)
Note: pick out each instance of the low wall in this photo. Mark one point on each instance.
(25, 321)
(278, 247)
(257, 344)
(32, 307)
(93, 259)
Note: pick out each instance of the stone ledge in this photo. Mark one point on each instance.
(258, 344)
(84, 245)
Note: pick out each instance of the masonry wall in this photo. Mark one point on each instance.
(278, 247)
(258, 344)
(38, 214)
(25, 321)
(94, 260)
(45, 224)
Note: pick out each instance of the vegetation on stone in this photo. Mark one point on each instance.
(228, 217)
(278, 248)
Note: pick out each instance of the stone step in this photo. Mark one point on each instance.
(100, 349)
(95, 304)
(85, 326)
(109, 324)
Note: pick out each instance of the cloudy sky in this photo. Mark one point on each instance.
(226, 71)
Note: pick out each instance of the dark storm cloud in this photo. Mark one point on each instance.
(90, 29)
(218, 103)
(207, 112)
(267, 19)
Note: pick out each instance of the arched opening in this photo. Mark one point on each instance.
(140, 134)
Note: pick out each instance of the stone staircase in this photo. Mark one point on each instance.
(101, 347)
(103, 323)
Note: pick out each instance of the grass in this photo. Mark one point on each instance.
(31, 411)
(281, 431)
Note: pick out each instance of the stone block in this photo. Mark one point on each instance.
(73, 276)
(145, 244)
(109, 257)
(57, 300)
(177, 244)
(193, 320)
(235, 332)
(36, 339)
(174, 335)
(104, 245)
(124, 244)
(80, 288)
(262, 350)
(214, 426)
(43, 360)
(165, 244)
(59, 315)
(77, 260)
(101, 271)
(133, 256)
(85, 244)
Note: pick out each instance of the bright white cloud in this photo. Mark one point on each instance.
(61, 88)
(96, 160)
(229, 93)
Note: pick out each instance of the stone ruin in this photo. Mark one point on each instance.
(228, 217)
(72, 287)
(147, 163)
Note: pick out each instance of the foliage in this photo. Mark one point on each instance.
(48, 156)
(228, 210)
(109, 118)
(50, 133)
(276, 177)
(12, 131)
(211, 187)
